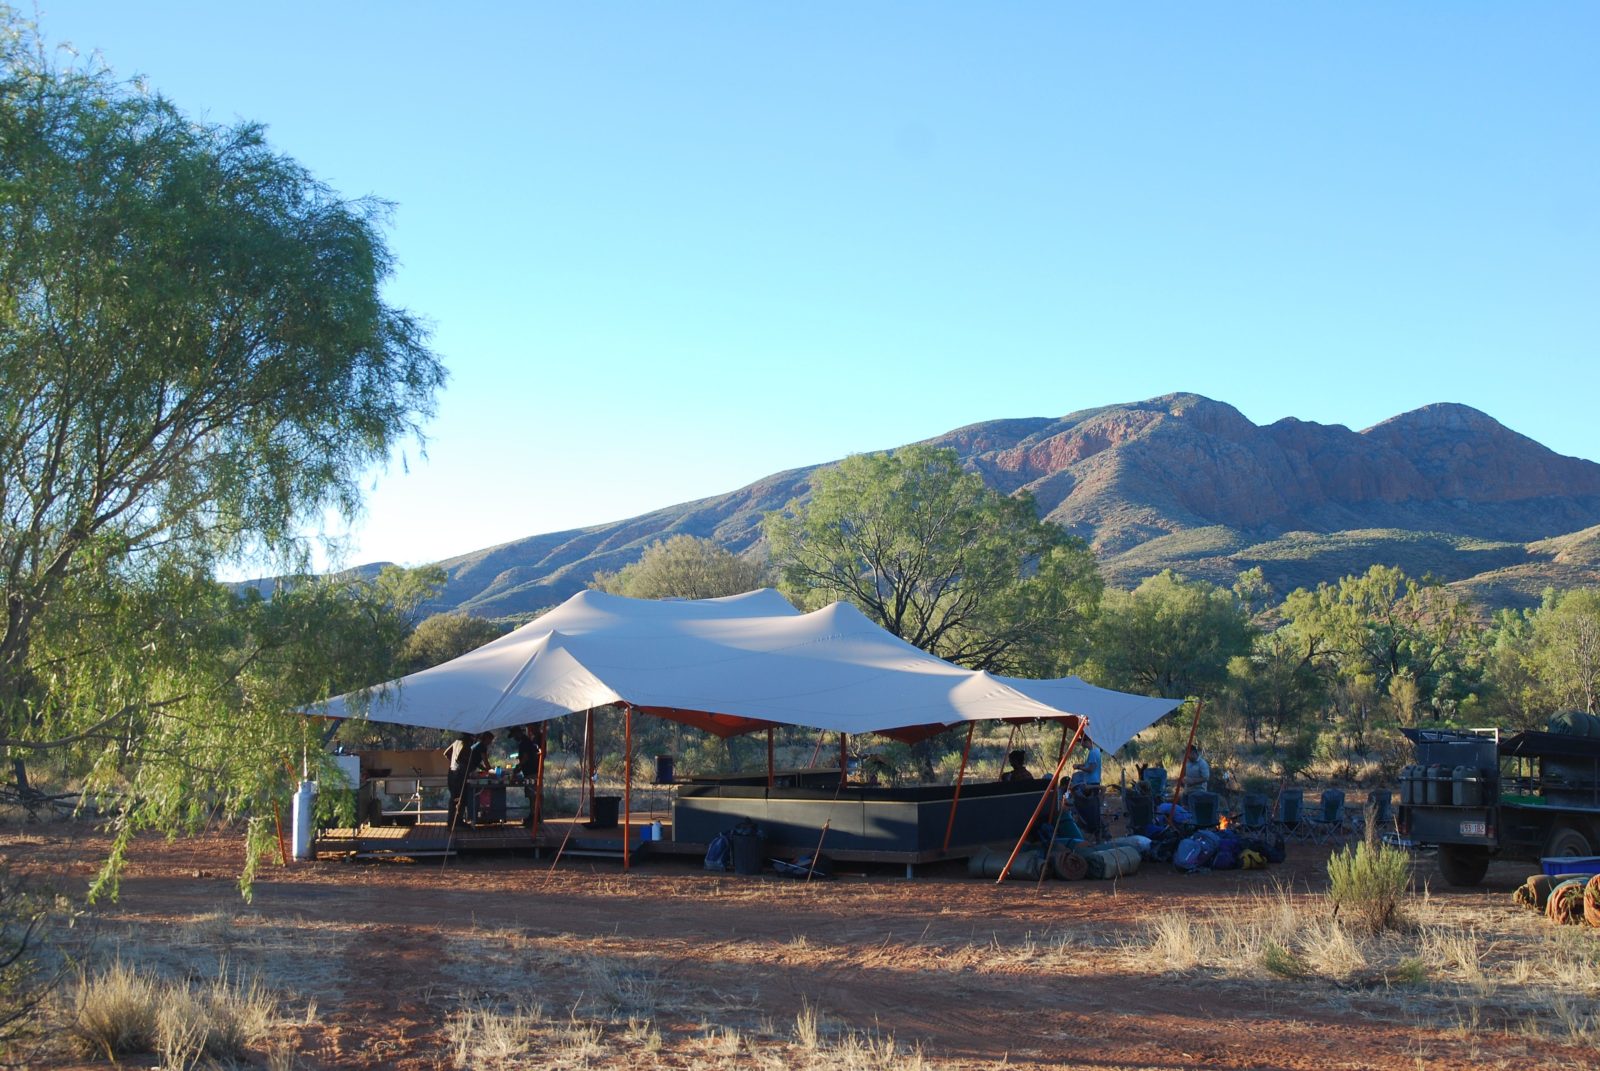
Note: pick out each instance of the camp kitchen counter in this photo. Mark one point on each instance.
(412, 800)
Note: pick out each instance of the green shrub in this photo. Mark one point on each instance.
(1367, 883)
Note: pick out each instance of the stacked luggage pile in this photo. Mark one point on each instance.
(1566, 892)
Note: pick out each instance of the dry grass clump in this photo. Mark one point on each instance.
(521, 1035)
(120, 1011)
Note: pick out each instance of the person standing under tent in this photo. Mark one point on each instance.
(527, 764)
(1085, 789)
(459, 755)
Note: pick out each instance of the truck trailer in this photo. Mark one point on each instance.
(1479, 796)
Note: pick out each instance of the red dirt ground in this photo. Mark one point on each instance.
(942, 961)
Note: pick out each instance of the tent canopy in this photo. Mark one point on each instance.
(730, 666)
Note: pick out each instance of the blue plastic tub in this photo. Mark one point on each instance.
(1570, 864)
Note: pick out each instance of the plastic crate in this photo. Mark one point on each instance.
(1570, 864)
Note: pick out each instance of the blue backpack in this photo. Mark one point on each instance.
(1195, 852)
(719, 853)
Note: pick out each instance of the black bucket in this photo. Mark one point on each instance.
(746, 851)
(664, 770)
(605, 812)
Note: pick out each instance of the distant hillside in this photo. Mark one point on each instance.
(1187, 483)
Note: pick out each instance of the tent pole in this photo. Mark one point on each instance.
(1048, 790)
(627, 780)
(961, 775)
(844, 758)
(1063, 750)
(586, 795)
(769, 758)
(1011, 742)
(1178, 783)
(538, 782)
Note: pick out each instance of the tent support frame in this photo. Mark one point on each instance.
(1049, 790)
(961, 776)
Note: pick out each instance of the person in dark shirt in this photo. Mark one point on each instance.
(527, 764)
(1019, 771)
(459, 755)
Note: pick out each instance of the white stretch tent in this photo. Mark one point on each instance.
(730, 666)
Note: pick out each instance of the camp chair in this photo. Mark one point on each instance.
(1380, 810)
(1140, 810)
(1292, 822)
(1327, 821)
(1253, 816)
(1206, 808)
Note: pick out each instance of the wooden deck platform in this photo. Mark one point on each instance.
(572, 837)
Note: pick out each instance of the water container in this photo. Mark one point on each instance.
(1463, 782)
(664, 770)
(1408, 784)
(1436, 785)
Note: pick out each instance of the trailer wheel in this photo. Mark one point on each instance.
(1568, 842)
(1463, 864)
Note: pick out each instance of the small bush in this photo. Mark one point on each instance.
(1367, 884)
(1282, 962)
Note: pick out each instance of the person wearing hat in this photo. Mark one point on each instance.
(1196, 772)
(1019, 771)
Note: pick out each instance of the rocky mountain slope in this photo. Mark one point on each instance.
(1188, 483)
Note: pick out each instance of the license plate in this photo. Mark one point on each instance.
(1473, 829)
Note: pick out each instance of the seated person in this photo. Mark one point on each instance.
(1018, 771)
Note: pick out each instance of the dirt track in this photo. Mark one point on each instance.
(973, 973)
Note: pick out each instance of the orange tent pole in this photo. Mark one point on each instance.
(627, 780)
(950, 827)
(1177, 789)
(844, 758)
(538, 781)
(1048, 789)
(586, 794)
(277, 816)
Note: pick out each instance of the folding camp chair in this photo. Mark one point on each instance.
(1292, 822)
(1327, 821)
(1253, 815)
(1206, 808)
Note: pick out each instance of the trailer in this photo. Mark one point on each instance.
(1478, 797)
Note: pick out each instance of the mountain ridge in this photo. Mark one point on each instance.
(1181, 481)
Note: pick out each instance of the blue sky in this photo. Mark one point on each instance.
(668, 249)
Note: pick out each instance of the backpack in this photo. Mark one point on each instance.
(1229, 849)
(719, 853)
(1195, 852)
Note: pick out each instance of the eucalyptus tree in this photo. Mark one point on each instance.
(684, 567)
(939, 559)
(196, 360)
(1170, 636)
